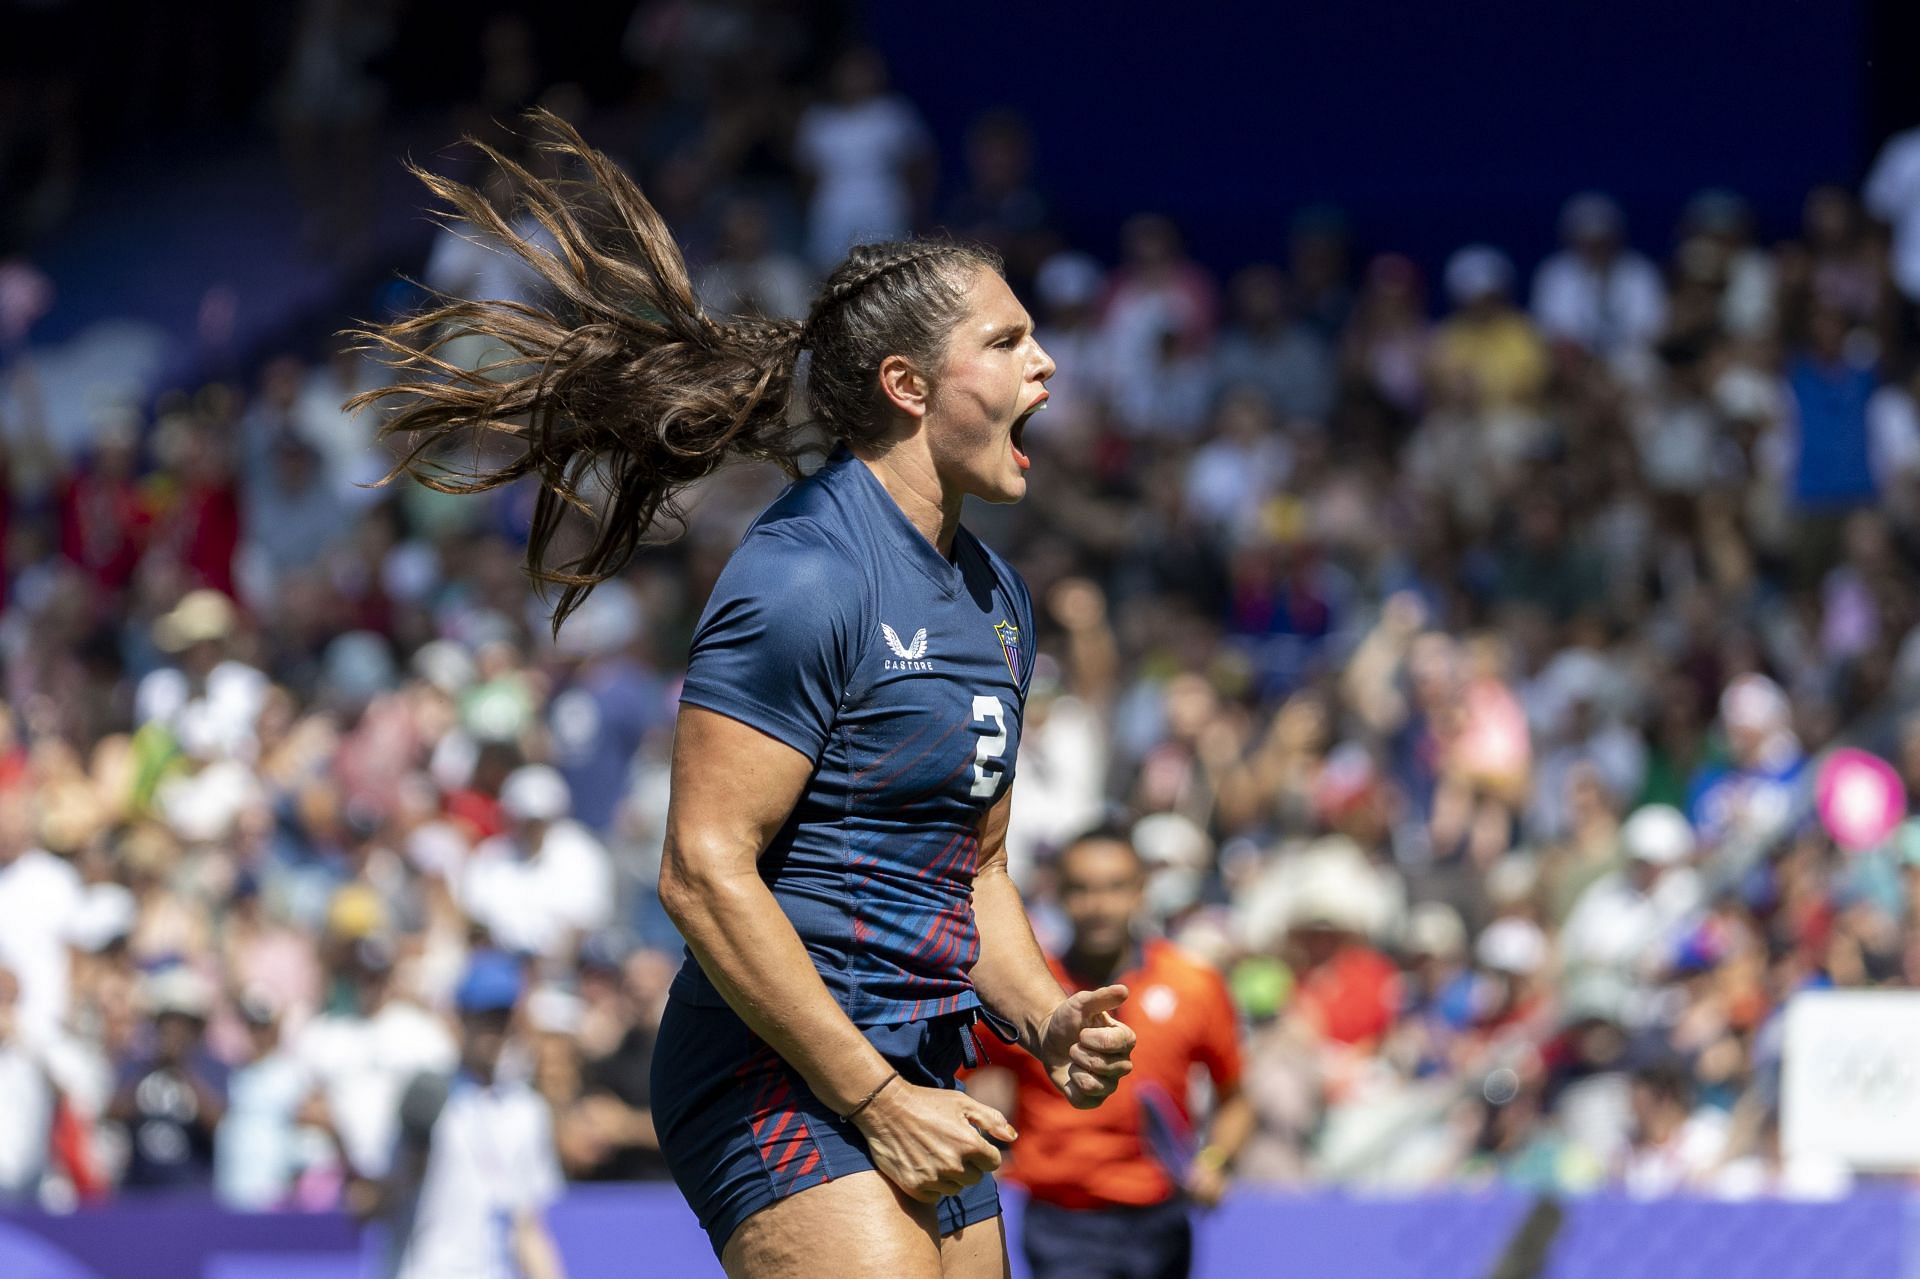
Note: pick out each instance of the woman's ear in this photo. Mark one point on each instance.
(904, 386)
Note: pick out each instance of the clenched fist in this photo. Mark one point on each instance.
(1084, 1049)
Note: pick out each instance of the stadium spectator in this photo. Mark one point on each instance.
(867, 157)
(1596, 292)
(545, 881)
(172, 1093)
(1264, 346)
(474, 1169)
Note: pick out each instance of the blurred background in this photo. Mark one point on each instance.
(1473, 542)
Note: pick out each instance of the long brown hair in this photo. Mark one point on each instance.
(617, 386)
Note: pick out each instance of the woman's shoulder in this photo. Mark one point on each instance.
(795, 548)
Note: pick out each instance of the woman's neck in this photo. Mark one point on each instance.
(907, 474)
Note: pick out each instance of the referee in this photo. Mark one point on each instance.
(1110, 1190)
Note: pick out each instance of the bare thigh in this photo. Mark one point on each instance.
(978, 1251)
(854, 1227)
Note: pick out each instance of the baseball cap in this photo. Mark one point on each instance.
(201, 616)
(1657, 835)
(178, 991)
(536, 793)
(1754, 702)
(1512, 945)
(491, 984)
(1477, 270)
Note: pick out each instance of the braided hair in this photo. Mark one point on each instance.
(616, 390)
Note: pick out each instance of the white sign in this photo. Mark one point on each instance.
(1850, 1083)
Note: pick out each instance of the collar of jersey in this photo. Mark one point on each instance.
(921, 553)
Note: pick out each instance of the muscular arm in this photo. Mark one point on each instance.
(733, 788)
(1011, 976)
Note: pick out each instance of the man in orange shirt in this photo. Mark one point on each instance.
(1108, 1189)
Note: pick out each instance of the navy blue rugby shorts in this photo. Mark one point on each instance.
(741, 1131)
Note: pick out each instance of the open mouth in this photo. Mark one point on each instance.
(1020, 431)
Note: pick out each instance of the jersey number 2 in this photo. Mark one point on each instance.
(987, 768)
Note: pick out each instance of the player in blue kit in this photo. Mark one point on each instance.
(835, 850)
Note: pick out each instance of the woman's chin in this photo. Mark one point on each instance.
(1000, 489)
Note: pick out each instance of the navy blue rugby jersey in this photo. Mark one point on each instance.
(839, 629)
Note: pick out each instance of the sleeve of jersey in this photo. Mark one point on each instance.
(774, 647)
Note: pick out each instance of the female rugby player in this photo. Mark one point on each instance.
(851, 713)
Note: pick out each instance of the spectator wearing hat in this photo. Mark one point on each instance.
(1348, 992)
(474, 1169)
(1629, 918)
(1504, 992)
(1597, 293)
(1487, 351)
(1749, 793)
(1109, 1189)
(544, 882)
(172, 1095)
(207, 700)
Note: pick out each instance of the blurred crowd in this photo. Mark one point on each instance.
(1458, 646)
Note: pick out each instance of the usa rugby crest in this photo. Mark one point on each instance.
(1009, 636)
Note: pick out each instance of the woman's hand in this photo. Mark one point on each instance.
(929, 1142)
(1084, 1049)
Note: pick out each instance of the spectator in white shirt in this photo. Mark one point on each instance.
(475, 1170)
(209, 700)
(1674, 1147)
(360, 1057)
(868, 156)
(544, 882)
(40, 893)
(1627, 921)
(1893, 195)
(1597, 293)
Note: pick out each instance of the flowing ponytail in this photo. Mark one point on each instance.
(618, 384)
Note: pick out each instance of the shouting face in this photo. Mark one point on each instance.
(993, 380)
